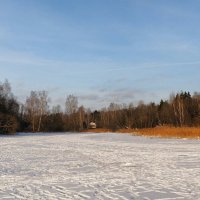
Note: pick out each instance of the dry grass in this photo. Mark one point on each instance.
(166, 132)
(97, 130)
(170, 132)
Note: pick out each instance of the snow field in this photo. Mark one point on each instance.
(98, 166)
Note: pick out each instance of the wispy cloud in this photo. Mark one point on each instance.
(28, 59)
(156, 65)
(88, 97)
(101, 51)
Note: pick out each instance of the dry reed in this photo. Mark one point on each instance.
(171, 132)
(165, 131)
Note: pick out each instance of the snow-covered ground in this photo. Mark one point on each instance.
(98, 166)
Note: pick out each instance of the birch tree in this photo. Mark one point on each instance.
(43, 106)
(71, 104)
(31, 105)
(71, 107)
(36, 107)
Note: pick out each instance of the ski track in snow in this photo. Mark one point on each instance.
(98, 166)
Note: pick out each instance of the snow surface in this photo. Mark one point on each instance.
(98, 166)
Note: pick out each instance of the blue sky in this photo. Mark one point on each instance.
(100, 50)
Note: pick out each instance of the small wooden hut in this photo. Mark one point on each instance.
(92, 125)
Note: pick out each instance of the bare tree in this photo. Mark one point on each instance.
(178, 108)
(81, 115)
(43, 105)
(36, 106)
(56, 109)
(32, 108)
(5, 89)
(71, 104)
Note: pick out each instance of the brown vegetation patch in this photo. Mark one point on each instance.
(97, 130)
(170, 132)
(165, 132)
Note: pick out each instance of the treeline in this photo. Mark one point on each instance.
(35, 115)
(9, 110)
